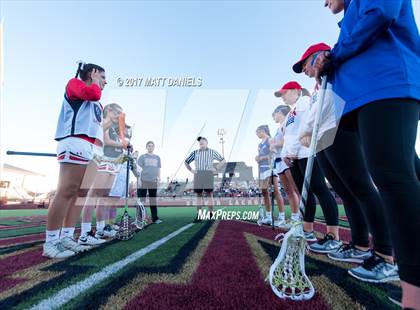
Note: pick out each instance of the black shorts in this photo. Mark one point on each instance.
(203, 181)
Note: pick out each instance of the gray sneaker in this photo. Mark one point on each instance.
(375, 270)
(310, 236)
(349, 253)
(326, 245)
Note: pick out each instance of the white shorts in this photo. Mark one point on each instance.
(118, 188)
(280, 167)
(266, 174)
(77, 151)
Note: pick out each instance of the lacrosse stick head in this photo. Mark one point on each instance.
(126, 231)
(287, 276)
(141, 216)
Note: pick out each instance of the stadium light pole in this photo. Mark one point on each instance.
(221, 132)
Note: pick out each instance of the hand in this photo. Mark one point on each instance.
(322, 65)
(257, 159)
(158, 179)
(288, 160)
(305, 139)
(193, 171)
(125, 144)
(95, 76)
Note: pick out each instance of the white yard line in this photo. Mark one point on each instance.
(72, 291)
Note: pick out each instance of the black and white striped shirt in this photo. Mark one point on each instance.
(204, 158)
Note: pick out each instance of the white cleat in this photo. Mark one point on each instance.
(90, 239)
(72, 245)
(56, 250)
(106, 234)
(266, 220)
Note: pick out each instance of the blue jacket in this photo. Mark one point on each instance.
(377, 55)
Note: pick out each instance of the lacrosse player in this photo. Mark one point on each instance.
(80, 136)
(282, 170)
(375, 69)
(295, 156)
(265, 162)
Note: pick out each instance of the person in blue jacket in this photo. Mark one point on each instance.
(375, 68)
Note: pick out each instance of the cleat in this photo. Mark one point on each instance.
(90, 239)
(72, 245)
(56, 250)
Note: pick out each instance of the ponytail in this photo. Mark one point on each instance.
(79, 68)
(83, 70)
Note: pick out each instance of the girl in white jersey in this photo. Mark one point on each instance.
(108, 169)
(282, 170)
(296, 156)
(79, 135)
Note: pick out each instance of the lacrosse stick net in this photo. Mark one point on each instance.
(126, 230)
(287, 275)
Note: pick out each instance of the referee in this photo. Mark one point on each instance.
(204, 173)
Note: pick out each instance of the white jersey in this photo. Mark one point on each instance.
(330, 116)
(278, 137)
(292, 146)
(78, 117)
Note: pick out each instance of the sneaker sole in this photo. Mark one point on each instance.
(391, 279)
(311, 240)
(394, 301)
(346, 260)
(55, 257)
(91, 245)
(323, 251)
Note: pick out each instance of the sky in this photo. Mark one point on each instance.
(241, 50)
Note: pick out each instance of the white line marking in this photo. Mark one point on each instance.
(72, 291)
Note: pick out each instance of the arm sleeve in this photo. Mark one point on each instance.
(77, 90)
(217, 156)
(159, 163)
(190, 158)
(141, 161)
(375, 18)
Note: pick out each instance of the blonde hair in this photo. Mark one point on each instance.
(111, 107)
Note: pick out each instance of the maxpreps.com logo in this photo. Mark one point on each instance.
(222, 214)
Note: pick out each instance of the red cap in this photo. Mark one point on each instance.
(298, 67)
(291, 85)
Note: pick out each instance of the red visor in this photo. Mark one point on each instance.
(298, 67)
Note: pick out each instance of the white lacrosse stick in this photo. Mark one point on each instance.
(287, 276)
(261, 210)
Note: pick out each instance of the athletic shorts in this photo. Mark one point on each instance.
(203, 181)
(77, 151)
(265, 174)
(280, 166)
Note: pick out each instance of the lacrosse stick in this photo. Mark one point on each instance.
(261, 210)
(140, 220)
(125, 232)
(272, 189)
(287, 276)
